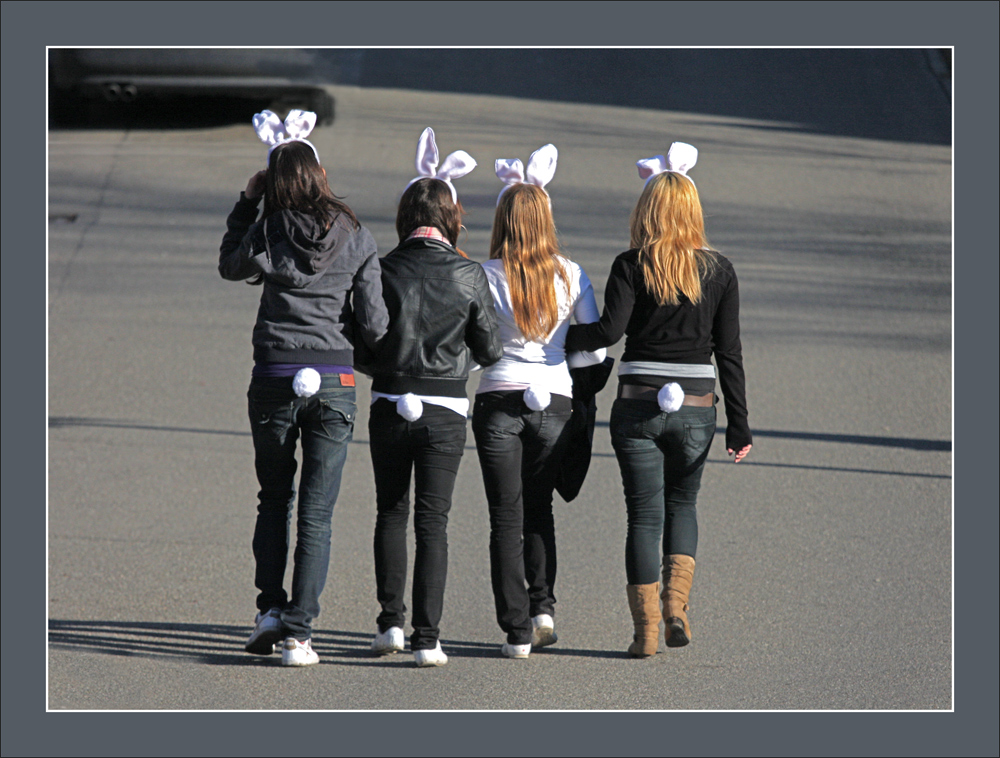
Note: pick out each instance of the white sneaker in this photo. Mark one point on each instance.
(267, 632)
(516, 651)
(389, 642)
(435, 657)
(543, 630)
(295, 653)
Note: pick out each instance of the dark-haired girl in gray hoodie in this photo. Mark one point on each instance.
(321, 295)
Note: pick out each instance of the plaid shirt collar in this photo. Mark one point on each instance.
(429, 232)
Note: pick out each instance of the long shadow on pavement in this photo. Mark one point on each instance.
(222, 645)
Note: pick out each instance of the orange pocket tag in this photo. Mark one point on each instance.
(346, 380)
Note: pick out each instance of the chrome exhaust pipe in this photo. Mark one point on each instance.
(112, 92)
(129, 92)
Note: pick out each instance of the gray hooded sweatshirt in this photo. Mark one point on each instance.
(321, 290)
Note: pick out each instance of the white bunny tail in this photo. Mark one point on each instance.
(537, 398)
(410, 407)
(670, 397)
(306, 382)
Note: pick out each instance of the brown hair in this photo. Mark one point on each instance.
(668, 229)
(295, 181)
(428, 202)
(524, 238)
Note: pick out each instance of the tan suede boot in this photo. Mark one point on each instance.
(644, 602)
(678, 572)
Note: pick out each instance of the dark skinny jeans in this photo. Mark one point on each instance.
(661, 457)
(520, 451)
(430, 448)
(325, 424)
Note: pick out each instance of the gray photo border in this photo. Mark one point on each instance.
(28, 27)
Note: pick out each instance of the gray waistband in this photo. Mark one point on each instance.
(679, 370)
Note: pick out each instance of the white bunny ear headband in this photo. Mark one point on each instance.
(541, 169)
(456, 165)
(680, 159)
(296, 127)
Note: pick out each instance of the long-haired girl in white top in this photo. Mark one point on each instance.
(524, 401)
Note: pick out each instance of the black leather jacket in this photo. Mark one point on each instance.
(441, 321)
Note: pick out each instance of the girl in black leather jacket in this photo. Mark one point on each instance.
(442, 322)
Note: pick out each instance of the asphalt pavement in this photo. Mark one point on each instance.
(819, 555)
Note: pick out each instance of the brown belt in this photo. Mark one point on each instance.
(640, 392)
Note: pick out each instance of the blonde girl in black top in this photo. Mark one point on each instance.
(677, 302)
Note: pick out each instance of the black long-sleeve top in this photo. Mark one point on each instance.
(685, 333)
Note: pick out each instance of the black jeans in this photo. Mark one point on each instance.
(661, 457)
(325, 423)
(519, 452)
(432, 448)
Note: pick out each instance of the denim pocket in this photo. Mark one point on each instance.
(698, 435)
(269, 420)
(345, 410)
(630, 419)
(552, 427)
(446, 435)
(337, 415)
(497, 414)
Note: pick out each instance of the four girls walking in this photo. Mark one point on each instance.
(418, 321)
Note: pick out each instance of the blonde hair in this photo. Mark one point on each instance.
(668, 229)
(524, 238)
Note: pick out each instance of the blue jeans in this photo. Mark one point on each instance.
(519, 452)
(430, 450)
(325, 423)
(661, 457)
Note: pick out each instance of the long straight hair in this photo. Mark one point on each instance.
(295, 181)
(524, 238)
(668, 229)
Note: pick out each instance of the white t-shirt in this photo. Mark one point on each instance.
(541, 363)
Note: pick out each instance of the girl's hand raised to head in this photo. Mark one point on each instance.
(255, 187)
(741, 454)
